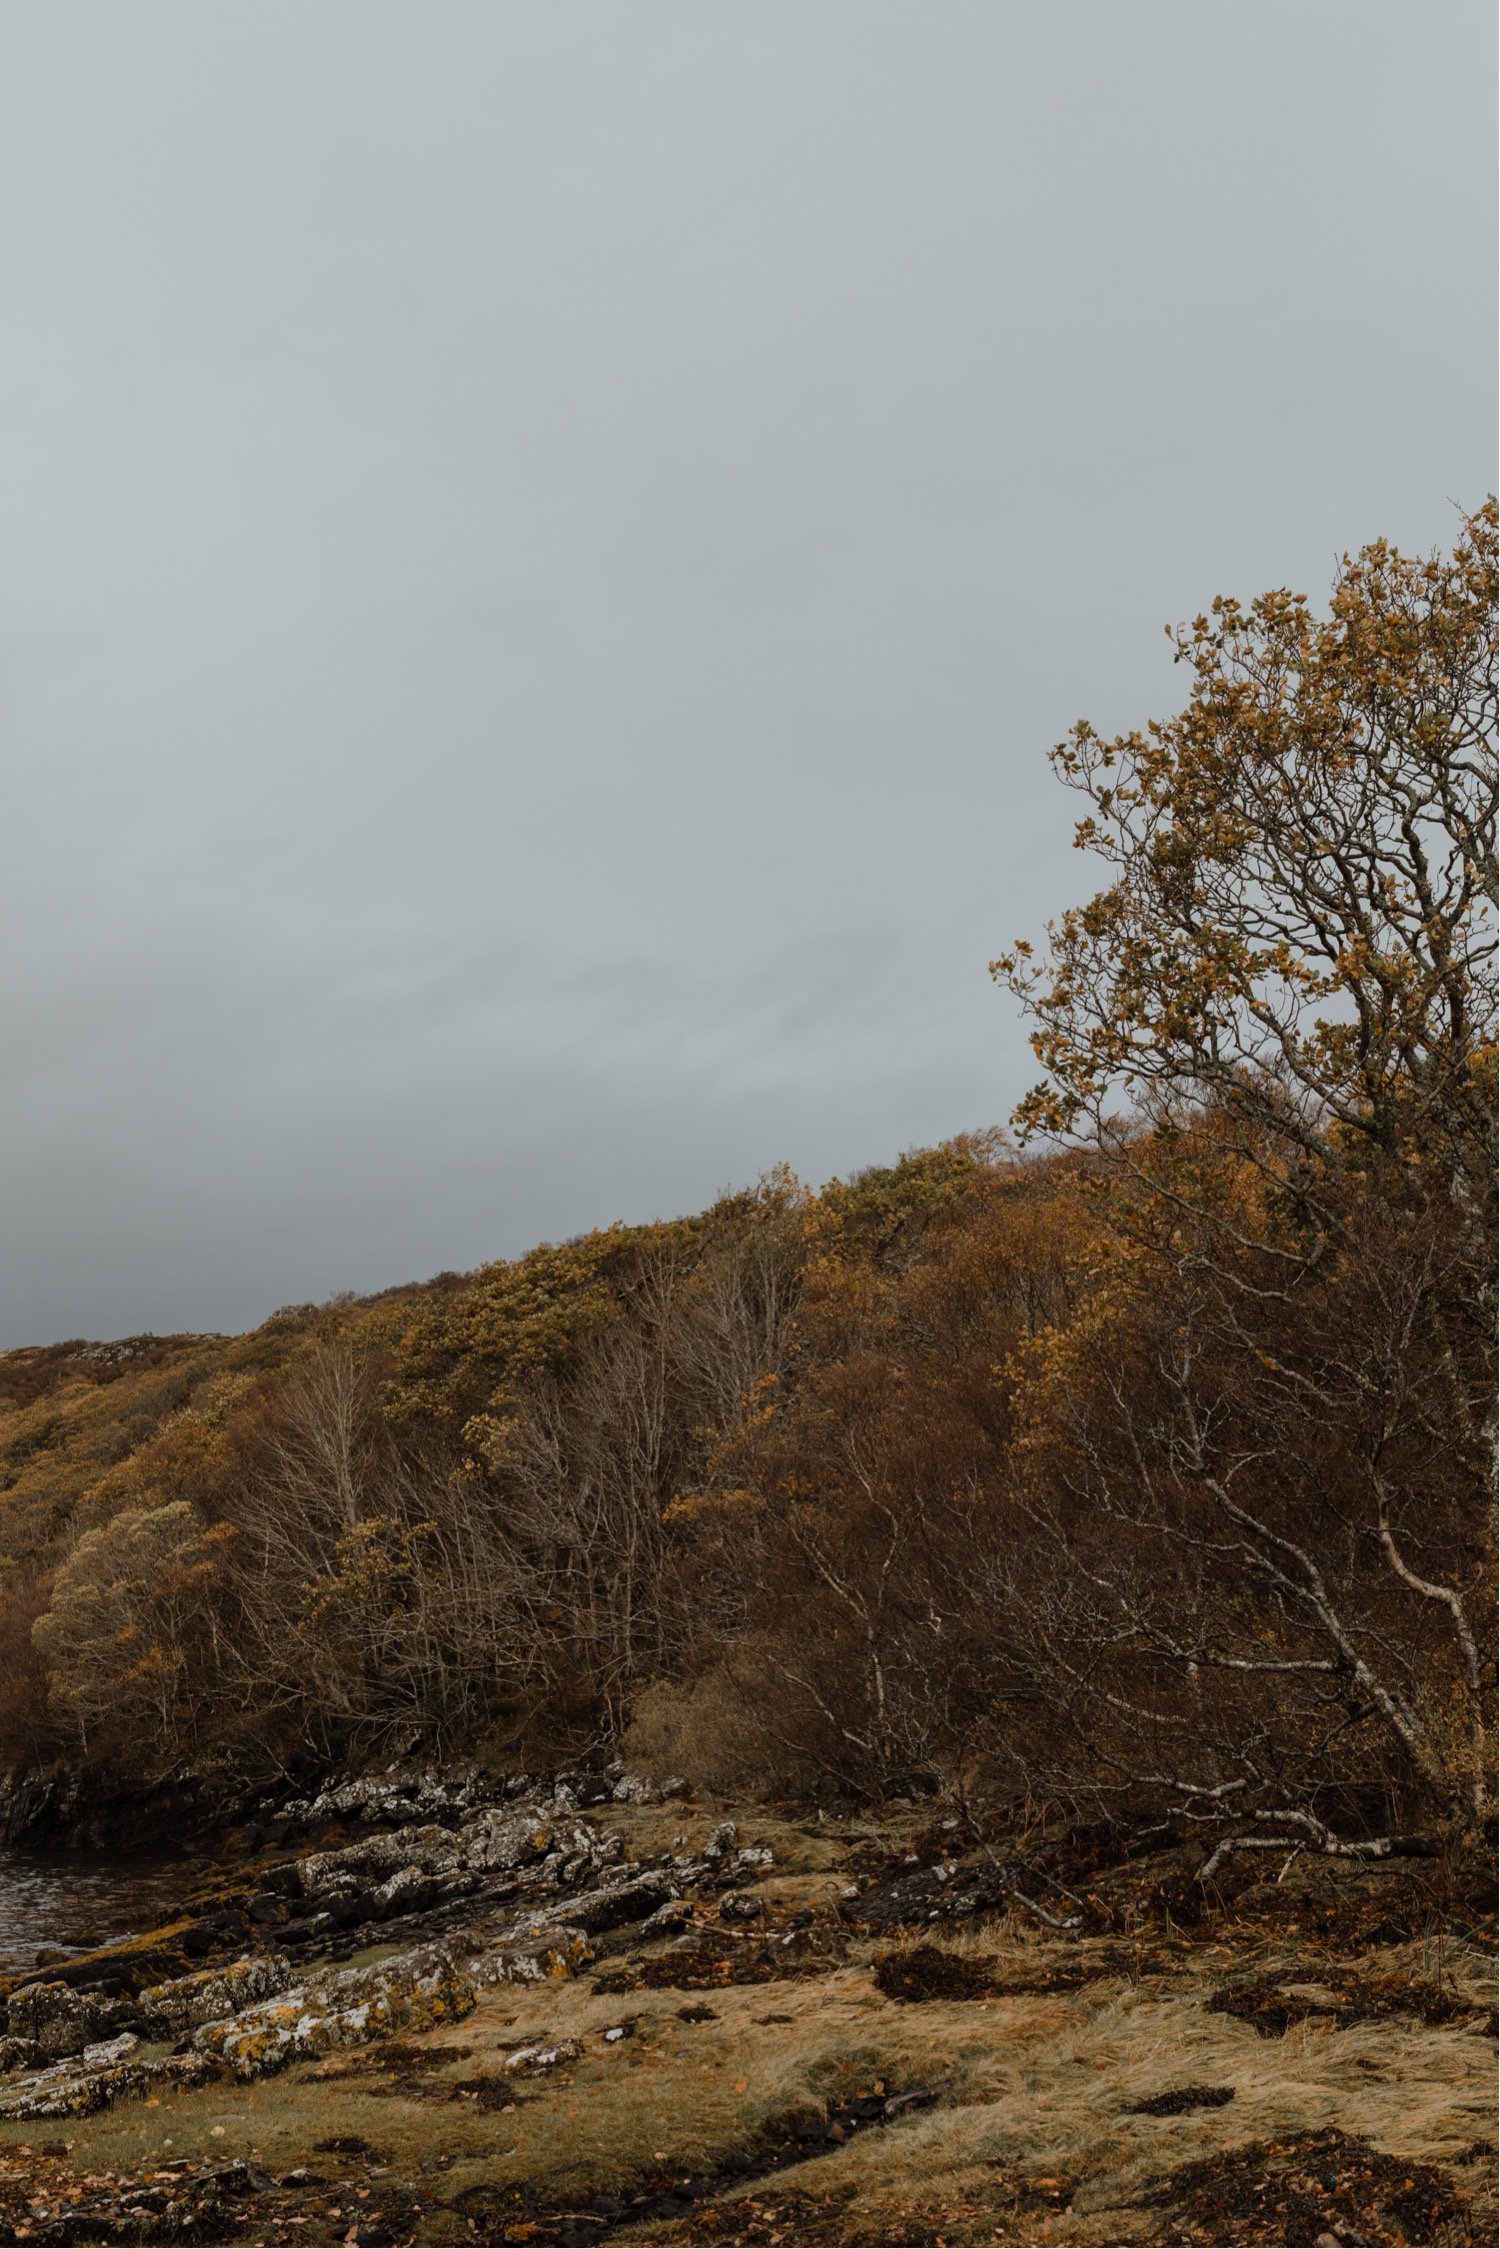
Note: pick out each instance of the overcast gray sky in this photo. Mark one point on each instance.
(545, 545)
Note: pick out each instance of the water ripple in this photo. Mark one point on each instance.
(71, 1901)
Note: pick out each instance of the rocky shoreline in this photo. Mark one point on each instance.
(578, 2007)
(65, 1810)
(462, 1883)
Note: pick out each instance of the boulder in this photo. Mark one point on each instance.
(77, 2089)
(614, 1903)
(60, 2020)
(394, 1799)
(407, 1891)
(500, 1841)
(169, 2009)
(676, 1914)
(531, 1959)
(359, 1864)
(410, 1993)
(19, 2053)
(283, 2022)
(403, 1872)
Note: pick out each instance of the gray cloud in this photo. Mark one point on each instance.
(545, 547)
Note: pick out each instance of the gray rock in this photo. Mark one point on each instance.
(500, 1841)
(350, 2008)
(614, 1903)
(676, 1914)
(396, 1798)
(72, 2089)
(534, 2061)
(407, 1891)
(532, 1958)
(741, 1905)
(169, 2009)
(412, 1992)
(430, 1848)
(59, 2019)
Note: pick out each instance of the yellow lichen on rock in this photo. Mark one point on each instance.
(349, 2009)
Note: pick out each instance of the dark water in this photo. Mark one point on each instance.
(69, 1901)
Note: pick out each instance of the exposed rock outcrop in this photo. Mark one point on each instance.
(345, 2009)
(81, 2088)
(272, 2027)
(170, 2009)
(494, 1886)
(59, 2020)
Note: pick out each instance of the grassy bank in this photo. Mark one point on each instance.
(1351, 2079)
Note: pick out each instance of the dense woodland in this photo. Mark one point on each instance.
(1138, 1469)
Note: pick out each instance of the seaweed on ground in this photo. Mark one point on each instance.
(1311, 2186)
(1273, 2003)
(928, 1972)
(1181, 2099)
(711, 1959)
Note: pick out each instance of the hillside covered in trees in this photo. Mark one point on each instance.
(1140, 1473)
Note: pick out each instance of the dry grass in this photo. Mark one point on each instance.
(799, 1849)
(1031, 2140)
(1038, 2089)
